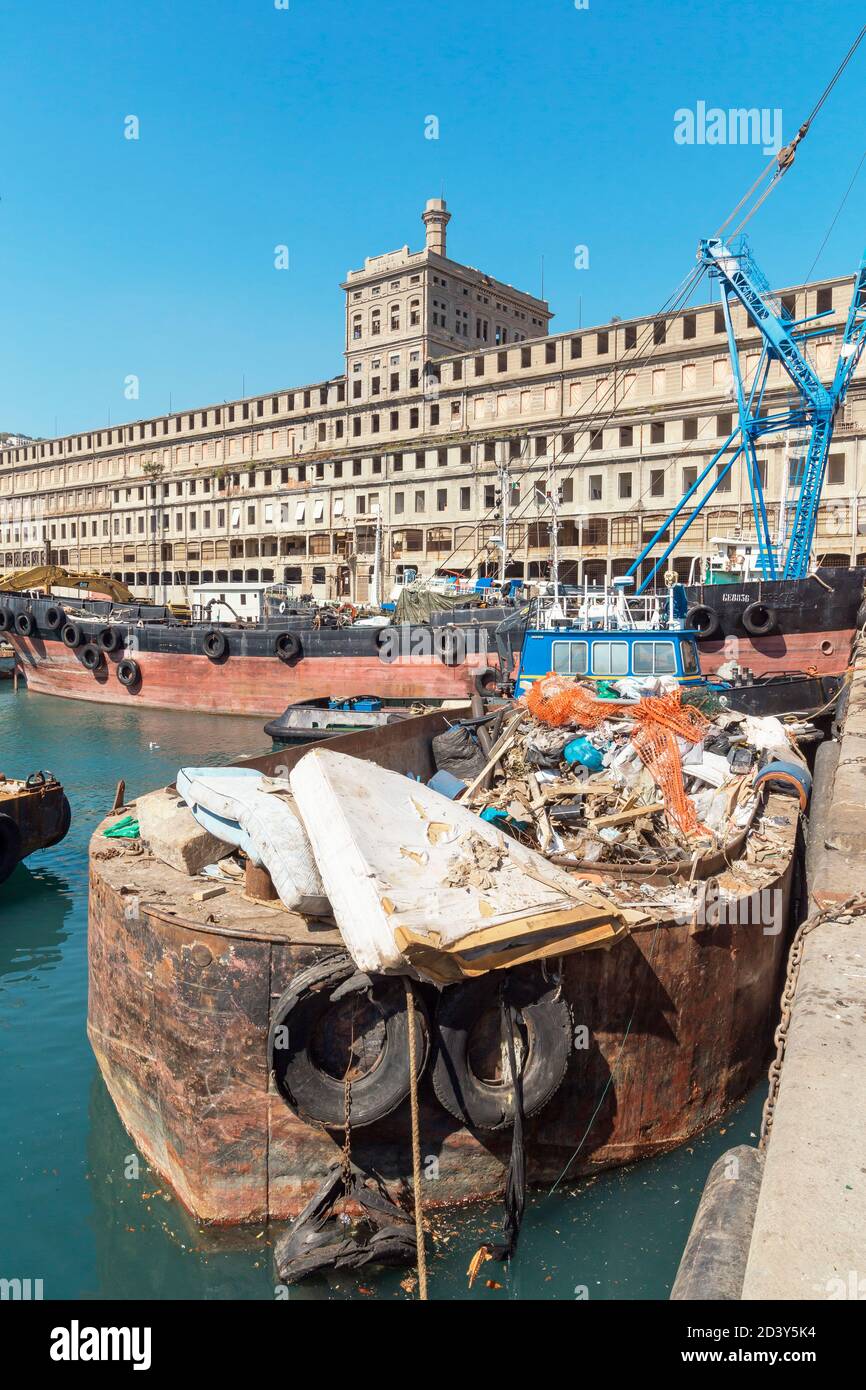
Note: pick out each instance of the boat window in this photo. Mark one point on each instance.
(610, 658)
(690, 657)
(569, 658)
(654, 659)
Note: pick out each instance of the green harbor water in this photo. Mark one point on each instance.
(70, 1214)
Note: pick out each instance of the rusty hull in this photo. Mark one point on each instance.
(677, 1022)
(41, 813)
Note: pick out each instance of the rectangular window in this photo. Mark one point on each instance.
(570, 658)
(724, 484)
(596, 439)
(657, 482)
(690, 326)
(825, 301)
(659, 331)
(654, 659)
(595, 487)
(724, 424)
(690, 477)
(836, 468)
(719, 321)
(625, 485)
(657, 432)
(630, 336)
(626, 436)
(464, 499)
(690, 428)
(576, 347)
(610, 658)
(550, 352)
(602, 343)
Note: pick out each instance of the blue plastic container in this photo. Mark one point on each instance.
(580, 750)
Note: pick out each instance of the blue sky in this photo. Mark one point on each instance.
(305, 126)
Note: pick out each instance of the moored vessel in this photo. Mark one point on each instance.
(34, 815)
(665, 1030)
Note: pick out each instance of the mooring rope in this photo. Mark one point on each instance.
(416, 1144)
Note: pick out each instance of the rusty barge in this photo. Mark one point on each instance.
(34, 815)
(666, 1030)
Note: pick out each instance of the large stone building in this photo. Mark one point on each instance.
(453, 389)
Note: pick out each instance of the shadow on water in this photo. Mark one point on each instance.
(40, 903)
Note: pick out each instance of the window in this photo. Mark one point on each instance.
(570, 658)
(724, 424)
(540, 446)
(610, 658)
(479, 366)
(690, 428)
(596, 439)
(576, 347)
(719, 321)
(689, 655)
(465, 501)
(602, 344)
(568, 443)
(690, 477)
(690, 325)
(489, 451)
(789, 305)
(502, 361)
(724, 483)
(657, 432)
(441, 499)
(630, 335)
(595, 487)
(456, 372)
(659, 331)
(654, 659)
(825, 301)
(836, 468)
(550, 352)
(657, 482)
(625, 485)
(398, 503)
(420, 502)
(626, 436)
(526, 357)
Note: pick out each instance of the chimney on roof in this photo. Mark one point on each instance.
(436, 218)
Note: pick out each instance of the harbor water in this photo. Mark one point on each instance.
(80, 1210)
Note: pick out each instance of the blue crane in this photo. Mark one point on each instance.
(812, 412)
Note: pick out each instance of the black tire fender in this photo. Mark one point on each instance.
(759, 620)
(25, 623)
(71, 635)
(315, 1095)
(65, 823)
(53, 618)
(705, 622)
(128, 672)
(10, 846)
(108, 639)
(451, 643)
(485, 682)
(287, 646)
(92, 657)
(544, 1021)
(216, 645)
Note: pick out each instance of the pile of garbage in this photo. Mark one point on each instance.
(645, 781)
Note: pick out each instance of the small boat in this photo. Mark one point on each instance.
(7, 661)
(309, 721)
(34, 814)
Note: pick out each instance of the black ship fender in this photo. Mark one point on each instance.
(306, 1023)
(703, 621)
(544, 1026)
(760, 620)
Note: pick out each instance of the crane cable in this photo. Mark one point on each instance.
(785, 158)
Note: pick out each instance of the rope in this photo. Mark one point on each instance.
(416, 1144)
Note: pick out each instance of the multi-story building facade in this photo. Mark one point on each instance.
(453, 388)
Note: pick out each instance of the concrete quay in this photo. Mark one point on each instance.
(806, 1239)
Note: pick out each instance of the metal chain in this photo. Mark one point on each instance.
(346, 1156)
(852, 907)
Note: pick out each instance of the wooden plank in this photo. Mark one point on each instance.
(625, 817)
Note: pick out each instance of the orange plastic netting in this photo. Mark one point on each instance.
(660, 720)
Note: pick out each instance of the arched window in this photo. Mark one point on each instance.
(376, 322)
(414, 312)
(356, 325)
(394, 318)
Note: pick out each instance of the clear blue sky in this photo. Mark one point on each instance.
(261, 126)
